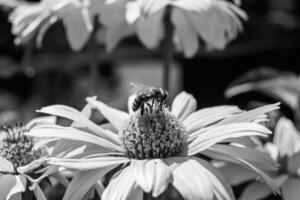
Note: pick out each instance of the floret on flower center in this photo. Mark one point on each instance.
(16, 147)
(152, 135)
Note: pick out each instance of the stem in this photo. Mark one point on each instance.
(168, 48)
(94, 70)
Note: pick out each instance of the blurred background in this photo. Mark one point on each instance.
(32, 77)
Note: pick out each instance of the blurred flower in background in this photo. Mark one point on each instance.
(20, 164)
(150, 145)
(285, 149)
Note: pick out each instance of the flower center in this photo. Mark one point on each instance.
(152, 135)
(16, 147)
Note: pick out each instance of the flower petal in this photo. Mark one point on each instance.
(88, 164)
(286, 137)
(212, 135)
(222, 188)
(79, 118)
(78, 28)
(150, 29)
(293, 164)
(116, 117)
(19, 187)
(83, 181)
(7, 184)
(290, 189)
(5, 165)
(183, 105)
(190, 179)
(39, 194)
(86, 112)
(123, 187)
(250, 115)
(260, 159)
(256, 190)
(152, 176)
(208, 116)
(55, 131)
(269, 181)
(237, 174)
(186, 32)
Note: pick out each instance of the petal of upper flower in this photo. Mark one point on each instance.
(70, 133)
(78, 26)
(186, 32)
(212, 135)
(251, 115)
(150, 29)
(7, 183)
(19, 187)
(152, 175)
(183, 105)
(123, 187)
(83, 181)
(286, 137)
(79, 118)
(293, 164)
(290, 189)
(5, 165)
(89, 163)
(116, 117)
(208, 116)
(256, 190)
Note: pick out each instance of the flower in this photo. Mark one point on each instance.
(284, 86)
(154, 146)
(30, 19)
(285, 149)
(17, 157)
(216, 22)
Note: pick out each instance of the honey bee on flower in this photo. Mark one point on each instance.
(153, 150)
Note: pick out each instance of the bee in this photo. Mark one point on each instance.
(149, 99)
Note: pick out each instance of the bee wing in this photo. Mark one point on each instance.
(140, 86)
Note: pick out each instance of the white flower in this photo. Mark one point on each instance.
(158, 147)
(285, 149)
(215, 22)
(17, 160)
(29, 19)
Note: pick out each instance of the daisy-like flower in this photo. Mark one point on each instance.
(215, 22)
(18, 161)
(152, 147)
(285, 149)
(30, 19)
